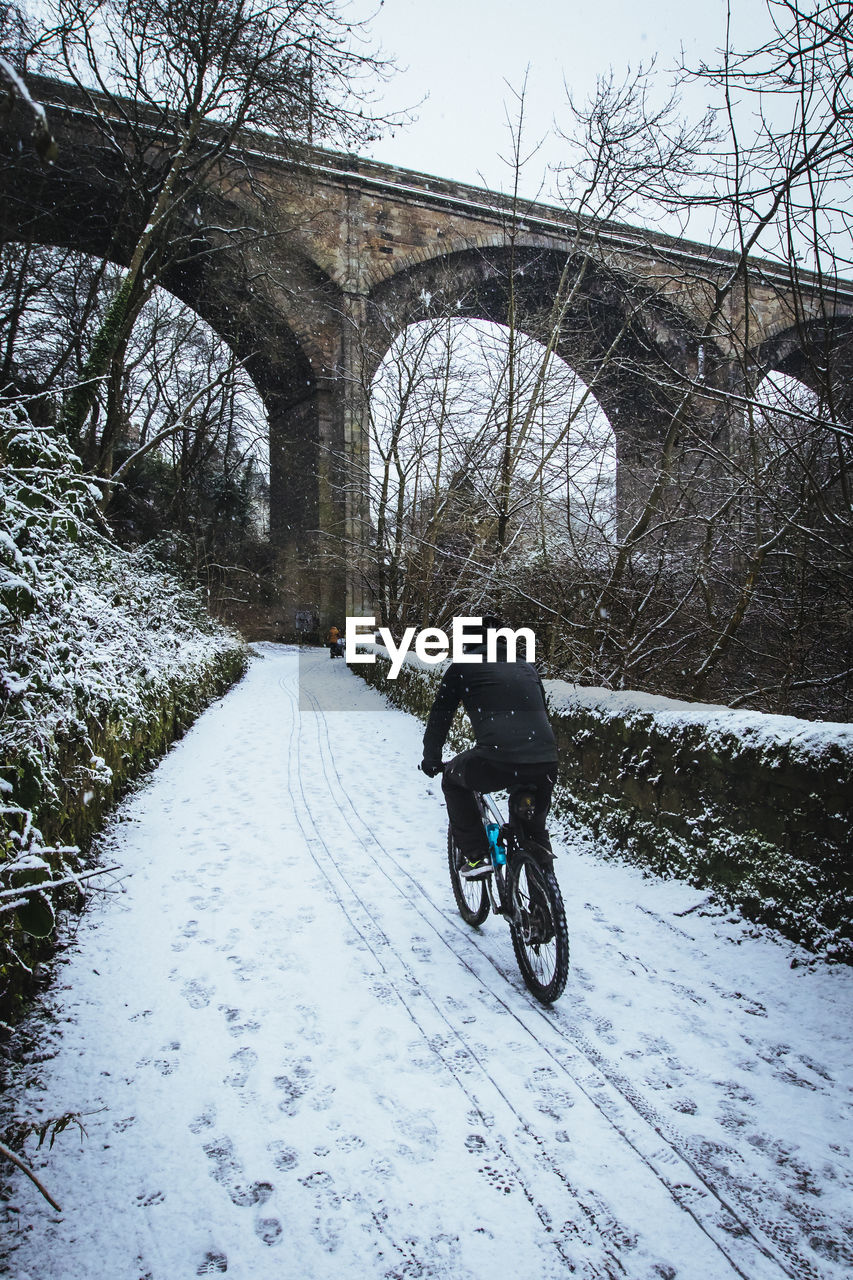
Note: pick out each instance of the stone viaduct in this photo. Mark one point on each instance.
(309, 268)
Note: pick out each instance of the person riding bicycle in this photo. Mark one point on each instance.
(515, 745)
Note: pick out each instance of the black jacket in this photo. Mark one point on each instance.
(505, 702)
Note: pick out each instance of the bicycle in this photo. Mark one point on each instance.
(523, 888)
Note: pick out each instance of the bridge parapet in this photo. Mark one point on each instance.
(396, 218)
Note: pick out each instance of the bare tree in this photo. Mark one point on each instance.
(15, 38)
(729, 570)
(782, 187)
(188, 440)
(733, 552)
(173, 88)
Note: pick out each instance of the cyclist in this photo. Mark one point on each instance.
(515, 745)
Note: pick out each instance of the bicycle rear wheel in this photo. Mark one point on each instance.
(540, 936)
(472, 896)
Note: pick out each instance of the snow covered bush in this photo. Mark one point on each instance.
(104, 657)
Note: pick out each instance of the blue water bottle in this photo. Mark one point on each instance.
(497, 852)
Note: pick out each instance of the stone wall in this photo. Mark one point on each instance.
(77, 811)
(755, 807)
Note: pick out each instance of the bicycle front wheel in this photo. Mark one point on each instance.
(472, 896)
(540, 936)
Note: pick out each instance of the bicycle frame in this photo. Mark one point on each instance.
(523, 889)
(497, 827)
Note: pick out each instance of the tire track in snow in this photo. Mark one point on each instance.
(400, 976)
(666, 1153)
(593, 1209)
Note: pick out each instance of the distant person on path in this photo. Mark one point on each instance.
(333, 640)
(515, 745)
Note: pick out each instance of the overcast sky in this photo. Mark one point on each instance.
(462, 53)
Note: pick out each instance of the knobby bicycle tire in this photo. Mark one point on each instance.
(540, 936)
(472, 896)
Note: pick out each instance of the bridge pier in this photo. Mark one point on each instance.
(306, 517)
(354, 388)
(319, 483)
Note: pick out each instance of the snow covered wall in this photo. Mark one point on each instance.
(757, 807)
(105, 658)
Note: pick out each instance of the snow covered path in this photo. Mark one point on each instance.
(295, 1060)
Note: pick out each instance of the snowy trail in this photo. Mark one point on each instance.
(295, 1060)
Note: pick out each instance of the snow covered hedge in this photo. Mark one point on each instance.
(757, 807)
(104, 659)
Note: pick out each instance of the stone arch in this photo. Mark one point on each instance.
(635, 386)
(473, 284)
(236, 283)
(817, 353)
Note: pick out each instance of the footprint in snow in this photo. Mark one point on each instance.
(293, 1086)
(811, 1065)
(604, 1030)
(655, 1044)
(349, 1142)
(212, 1264)
(236, 1028)
(269, 1230)
(146, 1199)
(324, 1098)
(283, 1157)
(581, 978)
(245, 1059)
(188, 932)
(228, 1172)
(202, 902)
(384, 993)
(196, 994)
(500, 1179)
(242, 968)
(204, 1121)
(417, 1126)
(551, 1100)
(326, 1226)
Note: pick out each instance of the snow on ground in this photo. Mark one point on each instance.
(295, 1060)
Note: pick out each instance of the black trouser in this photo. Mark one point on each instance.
(471, 772)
